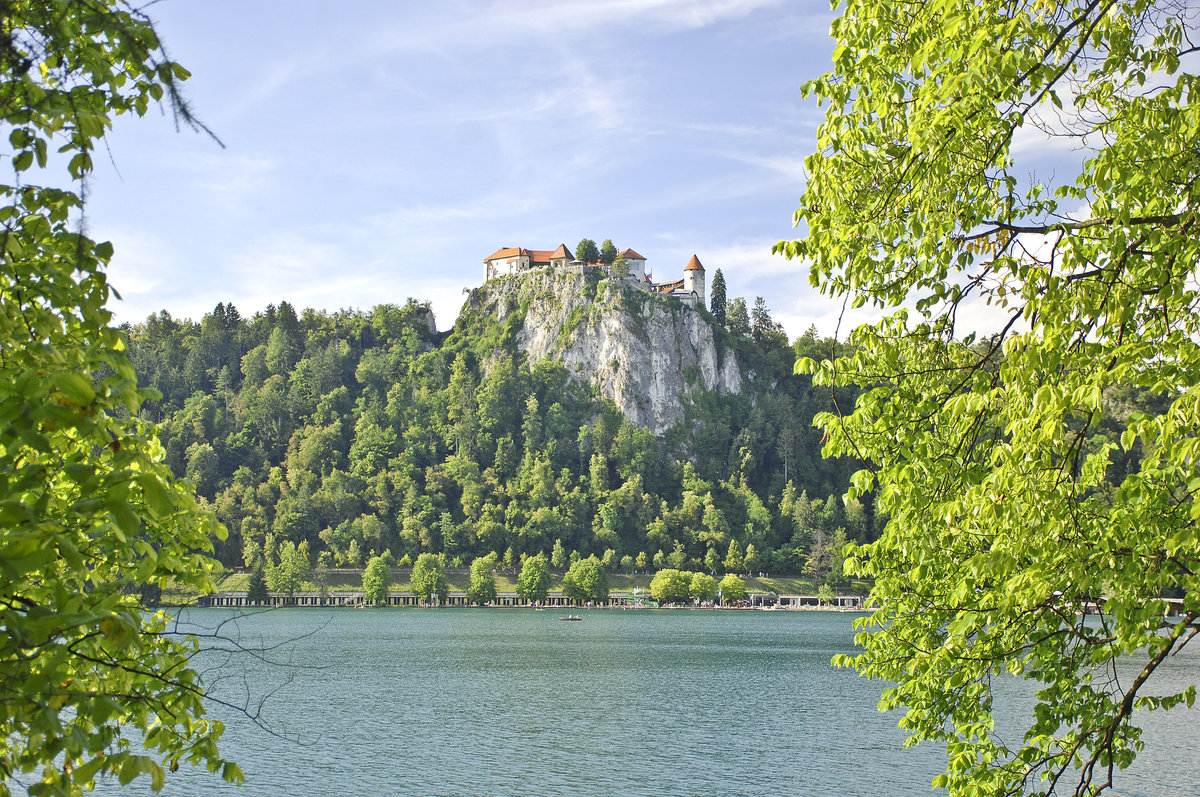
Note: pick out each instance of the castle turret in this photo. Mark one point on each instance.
(693, 278)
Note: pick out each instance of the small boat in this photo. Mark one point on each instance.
(571, 617)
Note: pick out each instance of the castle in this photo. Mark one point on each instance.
(516, 260)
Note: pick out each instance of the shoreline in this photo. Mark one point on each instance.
(618, 602)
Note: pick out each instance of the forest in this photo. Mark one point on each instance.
(351, 434)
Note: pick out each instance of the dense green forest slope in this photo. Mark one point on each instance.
(357, 433)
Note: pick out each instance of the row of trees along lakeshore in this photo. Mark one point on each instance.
(586, 579)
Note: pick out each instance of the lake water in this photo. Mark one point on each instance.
(516, 702)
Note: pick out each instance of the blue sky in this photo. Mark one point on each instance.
(380, 150)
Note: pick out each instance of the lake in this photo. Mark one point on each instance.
(516, 702)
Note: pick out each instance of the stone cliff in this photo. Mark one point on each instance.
(643, 351)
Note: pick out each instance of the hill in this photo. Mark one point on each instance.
(561, 409)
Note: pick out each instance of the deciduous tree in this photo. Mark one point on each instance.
(732, 588)
(482, 588)
(586, 251)
(429, 578)
(289, 573)
(670, 585)
(712, 560)
(703, 587)
(1004, 516)
(737, 317)
(89, 513)
(733, 559)
(377, 580)
(534, 581)
(586, 580)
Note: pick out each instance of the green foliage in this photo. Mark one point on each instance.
(482, 588)
(586, 580)
(737, 317)
(670, 585)
(608, 252)
(90, 515)
(576, 317)
(289, 573)
(995, 457)
(717, 301)
(703, 587)
(377, 580)
(586, 251)
(533, 583)
(429, 578)
(732, 589)
(734, 558)
(712, 560)
(256, 589)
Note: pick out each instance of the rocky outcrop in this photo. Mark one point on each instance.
(643, 351)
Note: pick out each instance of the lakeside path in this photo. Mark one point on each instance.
(624, 589)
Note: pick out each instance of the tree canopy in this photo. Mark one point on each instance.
(717, 292)
(732, 588)
(482, 588)
(586, 251)
(1022, 305)
(533, 583)
(586, 580)
(608, 252)
(90, 515)
(670, 585)
(377, 580)
(429, 578)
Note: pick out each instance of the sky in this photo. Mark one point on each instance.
(376, 151)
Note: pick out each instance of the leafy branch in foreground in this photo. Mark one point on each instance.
(90, 514)
(994, 457)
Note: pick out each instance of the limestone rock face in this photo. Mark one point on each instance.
(643, 351)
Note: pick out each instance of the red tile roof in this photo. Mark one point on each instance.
(510, 251)
(693, 265)
(534, 255)
(629, 254)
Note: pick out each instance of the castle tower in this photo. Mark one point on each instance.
(693, 278)
(636, 263)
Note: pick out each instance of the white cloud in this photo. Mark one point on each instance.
(523, 26)
(139, 269)
(785, 167)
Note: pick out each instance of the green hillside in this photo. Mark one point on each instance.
(352, 433)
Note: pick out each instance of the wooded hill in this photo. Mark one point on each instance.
(357, 433)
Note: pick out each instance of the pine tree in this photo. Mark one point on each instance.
(733, 559)
(717, 302)
(608, 252)
(256, 590)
